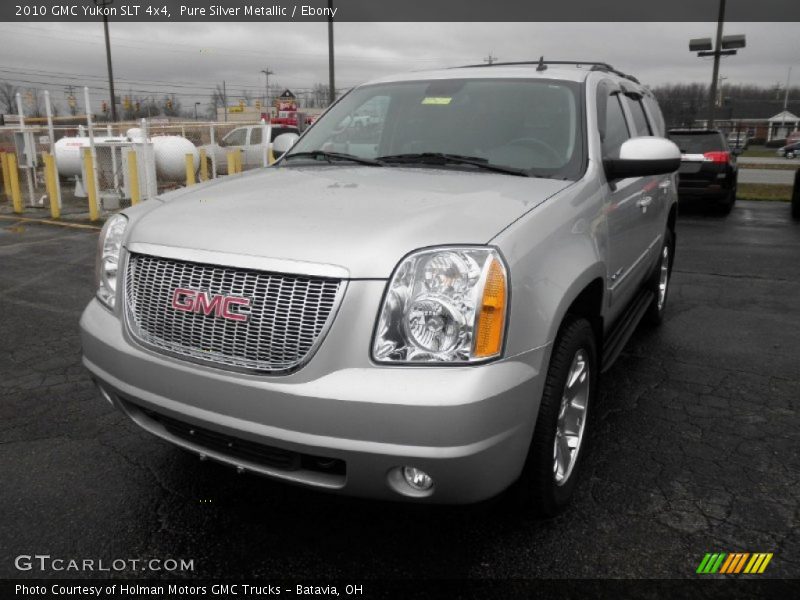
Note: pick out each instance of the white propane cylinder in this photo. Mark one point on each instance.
(69, 155)
(170, 153)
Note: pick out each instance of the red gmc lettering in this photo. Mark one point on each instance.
(207, 304)
(197, 301)
(226, 310)
(183, 299)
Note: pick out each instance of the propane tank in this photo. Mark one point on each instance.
(170, 154)
(69, 153)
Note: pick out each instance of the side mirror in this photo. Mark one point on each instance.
(642, 156)
(283, 143)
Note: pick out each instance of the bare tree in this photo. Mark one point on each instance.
(8, 97)
(217, 101)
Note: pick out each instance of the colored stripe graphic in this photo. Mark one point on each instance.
(711, 563)
(734, 563)
(758, 563)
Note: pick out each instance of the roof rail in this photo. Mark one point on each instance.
(595, 66)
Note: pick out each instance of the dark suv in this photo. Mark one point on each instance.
(708, 170)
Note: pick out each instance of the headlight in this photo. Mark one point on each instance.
(108, 250)
(444, 305)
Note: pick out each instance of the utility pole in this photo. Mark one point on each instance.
(331, 78)
(266, 73)
(224, 101)
(102, 4)
(725, 46)
(712, 97)
(490, 59)
(786, 102)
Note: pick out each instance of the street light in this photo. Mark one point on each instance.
(103, 4)
(196, 104)
(725, 46)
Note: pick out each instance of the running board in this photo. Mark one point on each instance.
(624, 328)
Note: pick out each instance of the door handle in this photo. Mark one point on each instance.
(644, 202)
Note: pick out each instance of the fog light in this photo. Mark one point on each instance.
(417, 478)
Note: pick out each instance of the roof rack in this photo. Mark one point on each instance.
(595, 66)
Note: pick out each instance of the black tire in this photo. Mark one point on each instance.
(796, 196)
(537, 491)
(726, 205)
(655, 312)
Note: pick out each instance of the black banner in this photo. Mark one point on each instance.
(406, 589)
(401, 10)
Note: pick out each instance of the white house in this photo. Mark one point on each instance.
(781, 125)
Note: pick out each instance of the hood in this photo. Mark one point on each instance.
(364, 219)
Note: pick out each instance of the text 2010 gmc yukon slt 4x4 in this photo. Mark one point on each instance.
(413, 308)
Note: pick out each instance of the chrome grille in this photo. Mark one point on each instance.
(287, 315)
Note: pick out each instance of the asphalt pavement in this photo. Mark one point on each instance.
(694, 443)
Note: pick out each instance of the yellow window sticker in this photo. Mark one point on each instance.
(436, 100)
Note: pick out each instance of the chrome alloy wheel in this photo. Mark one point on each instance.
(663, 278)
(571, 418)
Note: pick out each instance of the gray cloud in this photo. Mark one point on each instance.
(190, 58)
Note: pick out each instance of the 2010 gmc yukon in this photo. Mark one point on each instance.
(413, 306)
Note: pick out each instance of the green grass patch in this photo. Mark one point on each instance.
(764, 191)
(777, 166)
(760, 151)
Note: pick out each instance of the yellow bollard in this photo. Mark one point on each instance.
(240, 161)
(133, 176)
(88, 167)
(50, 182)
(189, 169)
(203, 165)
(231, 163)
(13, 177)
(4, 169)
(270, 156)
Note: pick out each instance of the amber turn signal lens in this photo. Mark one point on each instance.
(492, 315)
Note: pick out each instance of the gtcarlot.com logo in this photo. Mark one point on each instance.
(734, 563)
(47, 563)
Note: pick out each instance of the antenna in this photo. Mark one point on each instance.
(490, 59)
(541, 66)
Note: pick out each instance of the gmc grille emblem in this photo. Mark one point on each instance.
(197, 301)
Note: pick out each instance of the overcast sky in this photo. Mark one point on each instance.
(190, 58)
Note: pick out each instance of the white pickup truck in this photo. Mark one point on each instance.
(250, 140)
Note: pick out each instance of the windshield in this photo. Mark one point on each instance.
(532, 125)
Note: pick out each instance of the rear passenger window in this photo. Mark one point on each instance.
(640, 124)
(616, 130)
(255, 136)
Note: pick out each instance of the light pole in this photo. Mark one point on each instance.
(725, 46)
(331, 78)
(102, 4)
(266, 73)
(196, 104)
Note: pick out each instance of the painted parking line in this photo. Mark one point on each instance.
(50, 222)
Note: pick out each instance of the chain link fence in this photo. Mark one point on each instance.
(97, 169)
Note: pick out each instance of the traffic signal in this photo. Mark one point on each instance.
(126, 102)
(138, 106)
(169, 104)
(105, 106)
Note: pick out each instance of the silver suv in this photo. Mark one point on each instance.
(415, 307)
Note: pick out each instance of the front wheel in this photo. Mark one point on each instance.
(558, 446)
(660, 280)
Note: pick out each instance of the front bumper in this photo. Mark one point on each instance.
(468, 427)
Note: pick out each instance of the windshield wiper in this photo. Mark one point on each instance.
(331, 156)
(441, 158)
